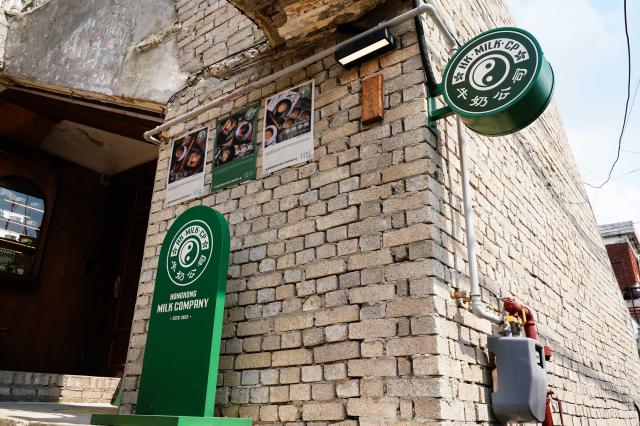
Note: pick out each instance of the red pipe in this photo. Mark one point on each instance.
(516, 309)
(548, 417)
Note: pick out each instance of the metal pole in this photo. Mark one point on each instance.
(424, 8)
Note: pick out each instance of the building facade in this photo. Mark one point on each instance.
(623, 247)
(339, 306)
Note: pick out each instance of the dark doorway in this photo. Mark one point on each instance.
(69, 308)
(128, 208)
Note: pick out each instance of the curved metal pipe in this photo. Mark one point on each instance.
(424, 51)
(433, 11)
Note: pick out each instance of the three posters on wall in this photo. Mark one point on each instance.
(287, 140)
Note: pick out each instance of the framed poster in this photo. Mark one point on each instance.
(288, 128)
(235, 152)
(186, 167)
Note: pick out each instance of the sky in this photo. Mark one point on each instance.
(585, 43)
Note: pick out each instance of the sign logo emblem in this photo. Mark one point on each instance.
(189, 253)
(491, 72)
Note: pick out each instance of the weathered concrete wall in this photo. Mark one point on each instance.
(338, 306)
(124, 49)
(9, 8)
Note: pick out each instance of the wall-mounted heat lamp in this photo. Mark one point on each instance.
(360, 51)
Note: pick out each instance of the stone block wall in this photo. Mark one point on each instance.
(212, 31)
(338, 306)
(43, 387)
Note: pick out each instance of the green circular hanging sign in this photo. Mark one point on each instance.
(498, 82)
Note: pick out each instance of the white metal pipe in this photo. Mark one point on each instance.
(453, 43)
(477, 306)
(424, 8)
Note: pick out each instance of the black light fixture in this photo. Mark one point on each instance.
(370, 46)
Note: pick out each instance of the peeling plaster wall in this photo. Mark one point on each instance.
(94, 46)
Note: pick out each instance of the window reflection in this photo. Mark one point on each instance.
(22, 210)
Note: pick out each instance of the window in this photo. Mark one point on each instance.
(22, 210)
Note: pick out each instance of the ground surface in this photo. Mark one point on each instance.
(45, 414)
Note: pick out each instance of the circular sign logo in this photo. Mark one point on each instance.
(491, 72)
(189, 253)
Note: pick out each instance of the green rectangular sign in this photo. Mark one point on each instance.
(180, 369)
(235, 151)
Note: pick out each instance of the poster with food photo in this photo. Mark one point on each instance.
(186, 167)
(288, 128)
(235, 152)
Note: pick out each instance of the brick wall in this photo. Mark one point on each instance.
(624, 263)
(43, 387)
(211, 31)
(338, 306)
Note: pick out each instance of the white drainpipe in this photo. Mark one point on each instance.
(477, 306)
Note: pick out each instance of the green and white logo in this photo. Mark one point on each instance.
(189, 253)
(492, 72)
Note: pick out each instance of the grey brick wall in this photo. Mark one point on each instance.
(211, 31)
(43, 387)
(338, 306)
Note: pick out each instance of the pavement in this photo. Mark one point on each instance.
(49, 413)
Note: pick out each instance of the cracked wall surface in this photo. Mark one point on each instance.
(92, 48)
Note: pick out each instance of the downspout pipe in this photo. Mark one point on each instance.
(477, 306)
(428, 8)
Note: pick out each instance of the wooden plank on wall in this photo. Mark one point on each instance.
(372, 99)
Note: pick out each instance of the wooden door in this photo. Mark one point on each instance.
(128, 216)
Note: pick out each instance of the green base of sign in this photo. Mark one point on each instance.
(135, 420)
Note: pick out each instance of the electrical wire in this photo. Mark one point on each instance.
(626, 174)
(633, 102)
(626, 108)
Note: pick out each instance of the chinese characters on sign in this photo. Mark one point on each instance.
(235, 152)
(189, 253)
(491, 72)
(186, 167)
(288, 128)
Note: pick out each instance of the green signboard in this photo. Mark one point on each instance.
(179, 373)
(499, 82)
(235, 153)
